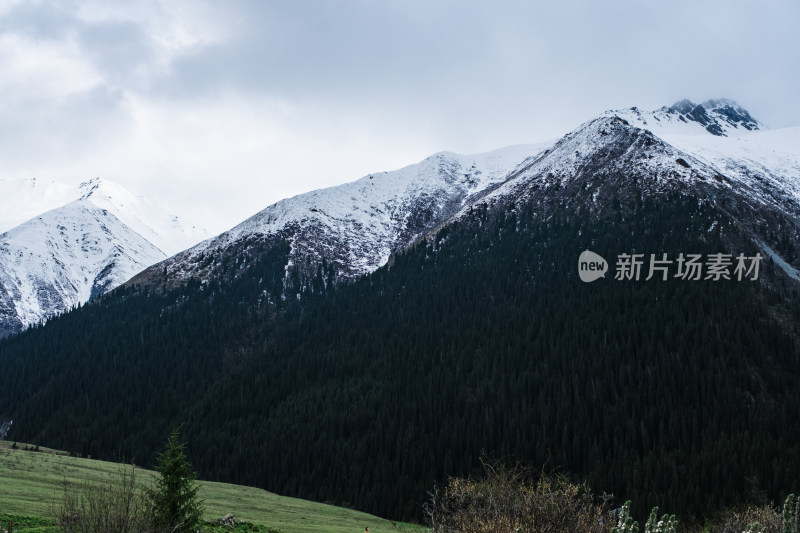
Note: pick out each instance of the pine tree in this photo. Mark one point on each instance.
(174, 501)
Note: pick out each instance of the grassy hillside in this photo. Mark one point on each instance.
(31, 481)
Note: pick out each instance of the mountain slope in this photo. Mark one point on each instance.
(69, 254)
(483, 341)
(478, 337)
(753, 178)
(354, 227)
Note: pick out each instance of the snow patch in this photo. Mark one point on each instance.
(780, 261)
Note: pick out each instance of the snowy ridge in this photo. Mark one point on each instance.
(168, 232)
(359, 225)
(716, 151)
(383, 204)
(720, 117)
(766, 161)
(763, 167)
(63, 258)
(22, 200)
(586, 158)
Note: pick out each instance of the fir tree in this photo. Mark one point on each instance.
(175, 504)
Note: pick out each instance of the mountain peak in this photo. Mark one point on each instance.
(717, 116)
(683, 107)
(733, 113)
(721, 117)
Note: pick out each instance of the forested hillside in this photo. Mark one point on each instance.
(676, 393)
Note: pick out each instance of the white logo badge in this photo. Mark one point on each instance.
(591, 266)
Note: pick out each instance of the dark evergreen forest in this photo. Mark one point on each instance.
(483, 341)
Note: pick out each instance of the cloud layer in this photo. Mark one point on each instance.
(225, 107)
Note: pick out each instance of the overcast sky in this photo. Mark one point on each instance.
(222, 108)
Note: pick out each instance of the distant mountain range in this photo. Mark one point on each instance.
(79, 244)
(82, 243)
(360, 343)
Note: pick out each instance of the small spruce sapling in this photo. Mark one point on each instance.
(626, 523)
(791, 514)
(667, 524)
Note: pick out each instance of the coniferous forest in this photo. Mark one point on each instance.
(480, 342)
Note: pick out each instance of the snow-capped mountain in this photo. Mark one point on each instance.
(749, 174)
(356, 226)
(715, 150)
(763, 166)
(22, 200)
(66, 255)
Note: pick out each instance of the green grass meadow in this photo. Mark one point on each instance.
(31, 482)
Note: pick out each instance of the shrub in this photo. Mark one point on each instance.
(507, 500)
(118, 505)
(752, 519)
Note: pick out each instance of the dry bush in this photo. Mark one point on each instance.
(507, 501)
(766, 516)
(119, 506)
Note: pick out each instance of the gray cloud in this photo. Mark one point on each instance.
(389, 78)
(38, 21)
(510, 61)
(119, 49)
